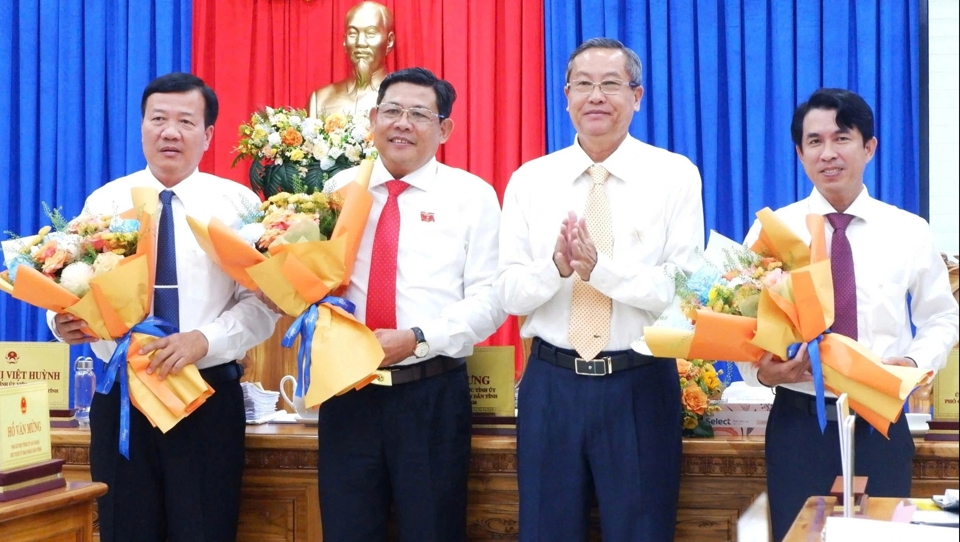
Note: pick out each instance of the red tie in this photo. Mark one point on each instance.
(382, 294)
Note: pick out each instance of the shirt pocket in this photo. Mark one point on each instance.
(205, 281)
(437, 258)
(639, 239)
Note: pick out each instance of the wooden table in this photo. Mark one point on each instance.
(59, 514)
(812, 518)
(720, 478)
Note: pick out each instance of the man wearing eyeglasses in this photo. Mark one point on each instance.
(423, 282)
(590, 238)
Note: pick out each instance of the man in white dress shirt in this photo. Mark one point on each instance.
(184, 484)
(587, 255)
(893, 261)
(423, 282)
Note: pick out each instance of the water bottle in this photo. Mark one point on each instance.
(84, 385)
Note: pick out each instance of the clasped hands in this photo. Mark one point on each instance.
(575, 250)
(772, 371)
(173, 352)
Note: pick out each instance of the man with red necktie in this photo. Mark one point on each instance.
(882, 257)
(423, 283)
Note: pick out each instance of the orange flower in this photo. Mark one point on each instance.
(695, 400)
(55, 261)
(334, 122)
(683, 366)
(291, 137)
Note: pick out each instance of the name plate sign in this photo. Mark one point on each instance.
(22, 362)
(24, 425)
(490, 370)
(946, 390)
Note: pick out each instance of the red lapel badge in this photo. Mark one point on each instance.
(426, 217)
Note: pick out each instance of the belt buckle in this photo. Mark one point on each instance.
(384, 378)
(593, 367)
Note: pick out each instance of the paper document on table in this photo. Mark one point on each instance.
(846, 529)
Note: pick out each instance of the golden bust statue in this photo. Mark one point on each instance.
(367, 39)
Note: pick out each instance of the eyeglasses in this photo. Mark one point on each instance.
(610, 86)
(417, 115)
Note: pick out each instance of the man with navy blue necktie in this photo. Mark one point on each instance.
(881, 257)
(184, 484)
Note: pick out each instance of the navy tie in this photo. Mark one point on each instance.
(166, 299)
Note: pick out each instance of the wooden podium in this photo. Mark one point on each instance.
(59, 514)
(720, 478)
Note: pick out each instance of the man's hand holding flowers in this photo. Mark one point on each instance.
(70, 329)
(174, 352)
(772, 371)
(901, 362)
(397, 344)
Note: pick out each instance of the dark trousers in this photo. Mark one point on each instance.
(803, 462)
(409, 443)
(180, 486)
(618, 435)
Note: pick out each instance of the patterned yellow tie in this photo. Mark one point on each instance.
(590, 310)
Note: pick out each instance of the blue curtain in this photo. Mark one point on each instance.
(722, 79)
(71, 77)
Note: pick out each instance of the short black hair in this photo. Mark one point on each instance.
(177, 82)
(852, 112)
(423, 77)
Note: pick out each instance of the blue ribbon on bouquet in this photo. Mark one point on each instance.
(816, 369)
(304, 326)
(150, 326)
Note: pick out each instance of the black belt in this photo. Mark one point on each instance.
(604, 364)
(805, 403)
(218, 374)
(405, 374)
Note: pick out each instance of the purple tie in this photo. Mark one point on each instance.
(844, 278)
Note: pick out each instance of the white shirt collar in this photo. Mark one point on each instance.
(183, 189)
(863, 207)
(621, 164)
(421, 178)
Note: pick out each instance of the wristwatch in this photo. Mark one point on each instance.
(422, 347)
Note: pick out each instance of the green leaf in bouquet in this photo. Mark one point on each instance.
(57, 220)
(327, 223)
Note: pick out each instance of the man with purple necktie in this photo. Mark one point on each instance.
(882, 258)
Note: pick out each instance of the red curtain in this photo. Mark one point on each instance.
(256, 53)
